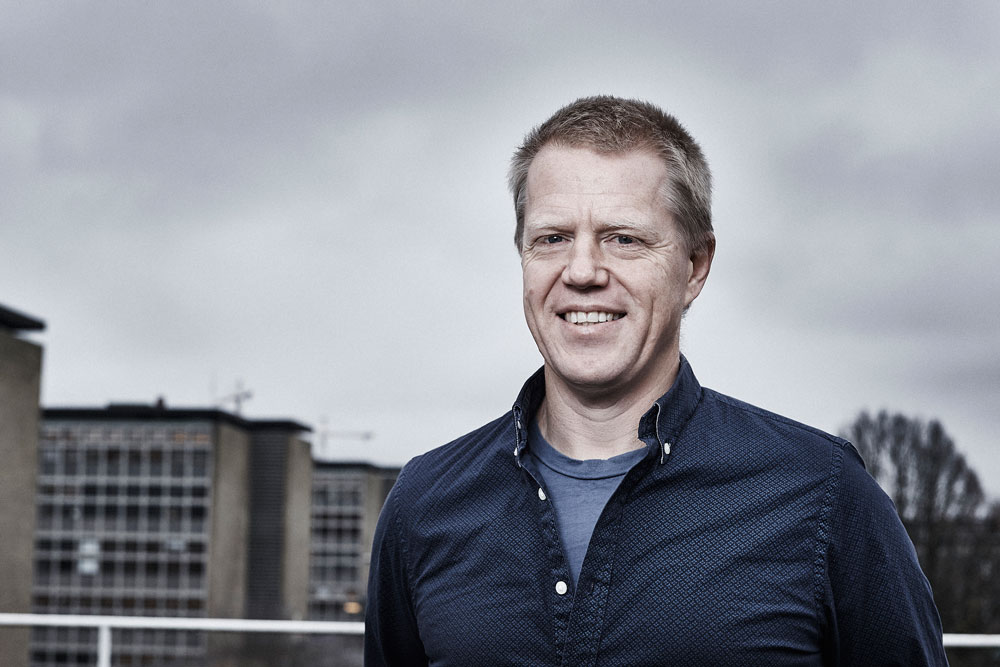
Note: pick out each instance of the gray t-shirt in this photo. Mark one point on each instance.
(579, 490)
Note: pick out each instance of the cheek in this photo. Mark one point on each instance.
(672, 279)
(535, 284)
(653, 281)
(533, 303)
(665, 292)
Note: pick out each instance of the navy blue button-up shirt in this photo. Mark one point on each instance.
(742, 538)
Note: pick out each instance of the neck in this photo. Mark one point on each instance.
(591, 425)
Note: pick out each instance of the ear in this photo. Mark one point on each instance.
(701, 264)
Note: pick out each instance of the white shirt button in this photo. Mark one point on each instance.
(541, 494)
(561, 587)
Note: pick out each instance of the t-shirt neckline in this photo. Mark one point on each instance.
(552, 458)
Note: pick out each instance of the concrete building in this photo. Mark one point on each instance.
(280, 476)
(146, 510)
(346, 500)
(20, 383)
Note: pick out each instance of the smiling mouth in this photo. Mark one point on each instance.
(590, 317)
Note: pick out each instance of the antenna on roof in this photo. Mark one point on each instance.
(237, 397)
(325, 434)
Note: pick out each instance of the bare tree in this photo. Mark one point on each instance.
(942, 504)
(919, 467)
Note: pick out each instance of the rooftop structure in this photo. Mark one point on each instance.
(12, 321)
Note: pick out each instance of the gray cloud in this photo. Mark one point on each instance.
(311, 198)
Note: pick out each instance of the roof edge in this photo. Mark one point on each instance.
(14, 320)
(142, 412)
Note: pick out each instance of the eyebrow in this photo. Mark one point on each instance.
(619, 222)
(624, 225)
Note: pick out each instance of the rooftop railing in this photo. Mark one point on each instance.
(105, 624)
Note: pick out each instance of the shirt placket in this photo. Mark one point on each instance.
(590, 602)
(556, 583)
(578, 615)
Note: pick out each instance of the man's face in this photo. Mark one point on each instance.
(607, 275)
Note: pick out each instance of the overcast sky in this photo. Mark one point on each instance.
(310, 198)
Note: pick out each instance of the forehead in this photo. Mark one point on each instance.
(566, 178)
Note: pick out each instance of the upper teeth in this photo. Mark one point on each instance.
(581, 317)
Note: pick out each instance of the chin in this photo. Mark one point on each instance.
(589, 378)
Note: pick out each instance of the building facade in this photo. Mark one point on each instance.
(346, 501)
(20, 383)
(145, 510)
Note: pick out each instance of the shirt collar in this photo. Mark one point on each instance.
(525, 408)
(662, 423)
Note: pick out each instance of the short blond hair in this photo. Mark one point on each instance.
(609, 124)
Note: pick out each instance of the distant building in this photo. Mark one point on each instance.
(20, 382)
(157, 511)
(146, 510)
(346, 501)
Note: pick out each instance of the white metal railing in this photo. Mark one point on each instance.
(105, 624)
(953, 640)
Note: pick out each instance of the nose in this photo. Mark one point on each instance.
(585, 265)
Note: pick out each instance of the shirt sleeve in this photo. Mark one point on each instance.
(391, 637)
(878, 603)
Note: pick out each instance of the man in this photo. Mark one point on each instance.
(620, 514)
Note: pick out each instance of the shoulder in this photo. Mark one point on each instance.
(769, 432)
(469, 461)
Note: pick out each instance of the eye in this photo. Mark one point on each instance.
(624, 240)
(553, 238)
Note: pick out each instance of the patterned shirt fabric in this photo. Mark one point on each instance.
(742, 538)
(578, 489)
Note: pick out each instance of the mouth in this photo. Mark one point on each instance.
(584, 318)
